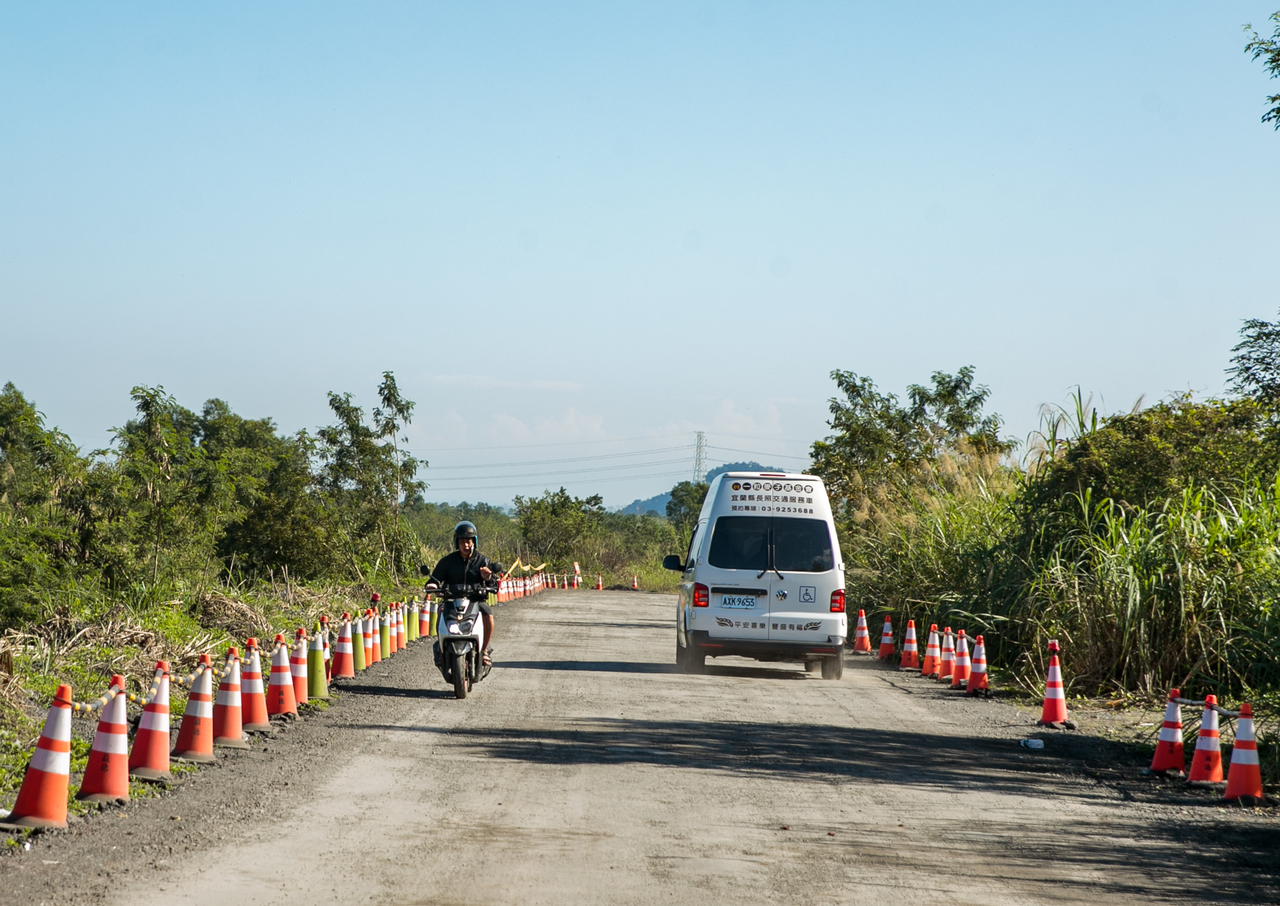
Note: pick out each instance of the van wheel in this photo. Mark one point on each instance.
(833, 667)
(695, 661)
(682, 659)
(811, 666)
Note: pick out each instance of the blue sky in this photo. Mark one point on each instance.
(584, 231)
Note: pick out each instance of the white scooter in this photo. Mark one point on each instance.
(460, 641)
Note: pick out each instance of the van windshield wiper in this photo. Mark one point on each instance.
(775, 569)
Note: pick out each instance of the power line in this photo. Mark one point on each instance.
(616, 478)
(632, 465)
(565, 443)
(758, 453)
(545, 462)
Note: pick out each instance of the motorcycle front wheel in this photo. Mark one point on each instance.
(459, 675)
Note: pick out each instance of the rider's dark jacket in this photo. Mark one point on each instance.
(453, 570)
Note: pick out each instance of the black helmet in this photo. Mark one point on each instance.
(465, 530)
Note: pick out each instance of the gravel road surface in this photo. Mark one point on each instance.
(586, 770)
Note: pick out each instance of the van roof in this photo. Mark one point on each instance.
(802, 476)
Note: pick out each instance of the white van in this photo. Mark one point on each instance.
(763, 577)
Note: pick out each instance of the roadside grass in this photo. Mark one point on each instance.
(83, 641)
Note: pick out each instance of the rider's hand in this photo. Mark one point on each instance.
(485, 572)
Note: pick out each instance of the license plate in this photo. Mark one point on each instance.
(742, 602)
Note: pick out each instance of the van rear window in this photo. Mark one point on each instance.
(802, 546)
(798, 545)
(740, 542)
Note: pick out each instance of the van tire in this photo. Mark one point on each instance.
(833, 667)
(682, 659)
(695, 661)
(812, 666)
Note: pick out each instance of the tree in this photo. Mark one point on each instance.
(878, 443)
(363, 480)
(1268, 50)
(1255, 367)
(683, 508)
(557, 525)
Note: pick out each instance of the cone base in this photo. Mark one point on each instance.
(1208, 784)
(24, 822)
(1179, 773)
(195, 757)
(1248, 799)
(151, 775)
(1057, 724)
(101, 797)
(230, 742)
(258, 728)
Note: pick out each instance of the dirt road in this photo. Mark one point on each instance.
(585, 770)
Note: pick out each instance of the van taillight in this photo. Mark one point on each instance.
(837, 601)
(701, 595)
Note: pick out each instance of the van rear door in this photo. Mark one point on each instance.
(803, 577)
(739, 558)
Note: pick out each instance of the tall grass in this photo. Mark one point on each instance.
(1183, 593)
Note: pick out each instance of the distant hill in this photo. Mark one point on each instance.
(658, 503)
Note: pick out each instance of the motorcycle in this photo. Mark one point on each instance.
(460, 641)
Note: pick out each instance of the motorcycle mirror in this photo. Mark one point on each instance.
(424, 570)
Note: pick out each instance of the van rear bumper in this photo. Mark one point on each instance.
(763, 649)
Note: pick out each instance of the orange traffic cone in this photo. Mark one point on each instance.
(366, 630)
(195, 734)
(298, 666)
(910, 653)
(960, 670)
(253, 699)
(932, 653)
(106, 777)
(402, 640)
(886, 639)
(978, 675)
(42, 799)
(599, 583)
(228, 721)
(1055, 697)
(280, 697)
(375, 621)
(635, 583)
(1169, 755)
(1244, 779)
(1206, 760)
(861, 639)
(149, 758)
(344, 663)
(326, 657)
(948, 663)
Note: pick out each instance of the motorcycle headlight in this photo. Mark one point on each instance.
(465, 627)
(451, 628)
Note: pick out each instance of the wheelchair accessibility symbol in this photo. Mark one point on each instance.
(808, 594)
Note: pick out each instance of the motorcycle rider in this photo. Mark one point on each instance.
(467, 566)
